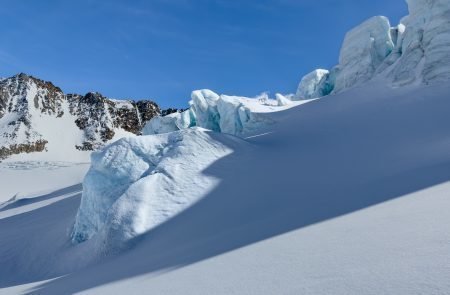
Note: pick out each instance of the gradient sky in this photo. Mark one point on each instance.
(164, 49)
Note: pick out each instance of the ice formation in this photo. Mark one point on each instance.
(172, 122)
(138, 182)
(364, 49)
(240, 116)
(415, 51)
(314, 84)
(424, 45)
(282, 100)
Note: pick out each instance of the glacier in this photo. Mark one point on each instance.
(144, 172)
(236, 115)
(413, 52)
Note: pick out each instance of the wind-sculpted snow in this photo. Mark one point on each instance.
(237, 115)
(138, 183)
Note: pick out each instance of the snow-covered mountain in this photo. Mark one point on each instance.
(36, 116)
(343, 194)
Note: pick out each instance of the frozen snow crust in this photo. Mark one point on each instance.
(138, 182)
(414, 52)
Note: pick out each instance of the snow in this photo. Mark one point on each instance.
(31, 178)
(345, 194)
(344, 203)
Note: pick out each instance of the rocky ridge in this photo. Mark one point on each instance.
(30, 107)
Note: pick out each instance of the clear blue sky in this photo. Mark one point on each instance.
(163, 49)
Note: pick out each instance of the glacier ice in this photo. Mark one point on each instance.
(424, 46)
(365, 48)
(137, 183)
(240, 116)
(172, 122)
(204, 106)
(314, 84)
(415, 51)
(282, 100)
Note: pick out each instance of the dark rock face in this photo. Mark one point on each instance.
(25, 99)
(171, 111)
(37, 146)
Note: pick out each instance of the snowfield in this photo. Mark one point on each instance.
(344, 195)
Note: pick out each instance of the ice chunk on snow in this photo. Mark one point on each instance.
(204, 106)
(365, 48)
(237, 115)
(282, 100)
(138, 183)
(314, 85)
(169, 123)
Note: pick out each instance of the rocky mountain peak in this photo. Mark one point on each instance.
(32, 111)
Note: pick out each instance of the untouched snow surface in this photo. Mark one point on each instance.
(344, 195)
(33, 178)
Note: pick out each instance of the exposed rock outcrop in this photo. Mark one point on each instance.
(33, 112)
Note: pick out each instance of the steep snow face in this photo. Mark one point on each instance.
(36, 116)
(314, 85)
(137, 183)
(237, 115)
(364, 49)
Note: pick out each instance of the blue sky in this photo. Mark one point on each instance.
(164, 49)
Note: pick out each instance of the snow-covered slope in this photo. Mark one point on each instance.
(37, 117)
(352, 200)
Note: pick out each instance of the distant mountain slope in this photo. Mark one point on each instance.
(36, 116)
